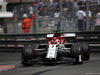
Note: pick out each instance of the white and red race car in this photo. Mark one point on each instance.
(59, 48)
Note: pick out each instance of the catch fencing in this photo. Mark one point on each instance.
(46, 22)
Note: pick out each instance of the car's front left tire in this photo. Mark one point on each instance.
(77, 54)
(27, 55)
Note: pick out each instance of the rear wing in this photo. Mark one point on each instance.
(69, 37)
(50, 35)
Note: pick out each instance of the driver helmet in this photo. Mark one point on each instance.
(57, 41)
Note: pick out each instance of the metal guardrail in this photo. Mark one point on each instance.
(95, 48)
(43, 35)
(88, 34)
(20, 42)
(11, 49)
(22, 36)
(10, 42)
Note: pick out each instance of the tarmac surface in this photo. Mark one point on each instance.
(91, 67)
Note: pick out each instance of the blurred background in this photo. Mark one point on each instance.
(50, 15)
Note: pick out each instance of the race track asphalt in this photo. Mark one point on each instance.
(91, 67)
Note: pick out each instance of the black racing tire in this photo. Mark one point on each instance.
(86, 52)
(76, 51)
(27, 54)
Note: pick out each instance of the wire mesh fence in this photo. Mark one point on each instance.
(45, 20)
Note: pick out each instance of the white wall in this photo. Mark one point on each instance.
(3, 4)
(1, 0)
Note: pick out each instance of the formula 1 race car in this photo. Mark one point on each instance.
(59, 48)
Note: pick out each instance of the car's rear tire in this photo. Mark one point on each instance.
(77, 54)
(86, 52)
(27, 54)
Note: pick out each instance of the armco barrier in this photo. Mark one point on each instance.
(11, 49)
(95, 48)
(11, 42)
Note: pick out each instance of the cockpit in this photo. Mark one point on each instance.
(55, 40)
